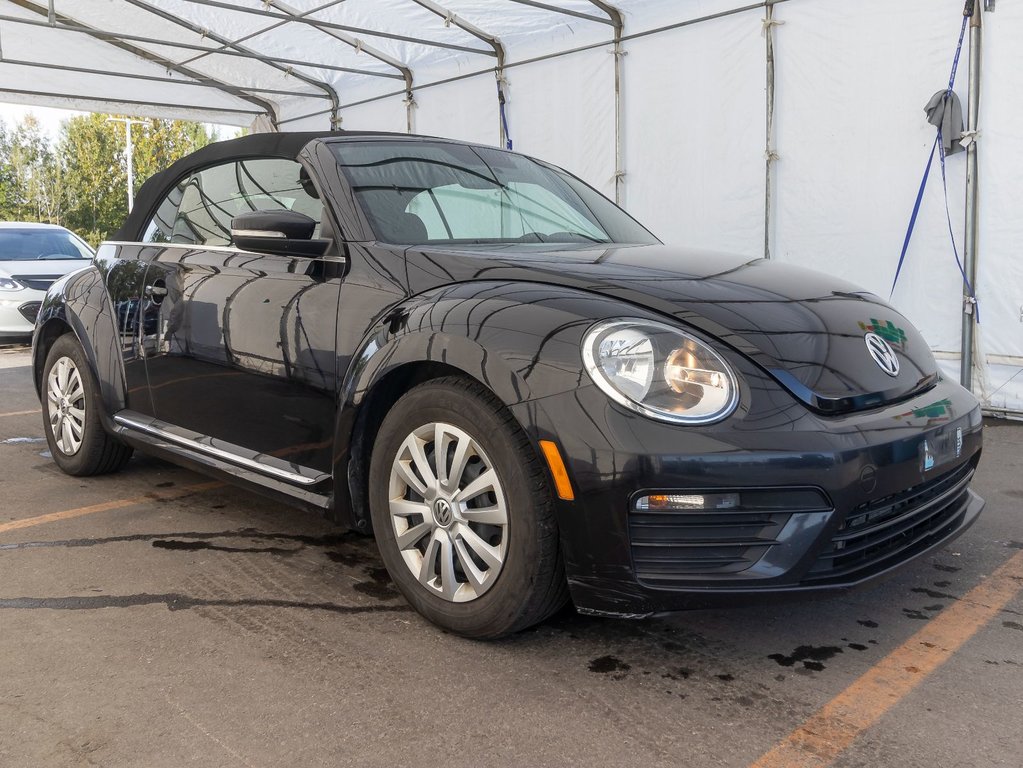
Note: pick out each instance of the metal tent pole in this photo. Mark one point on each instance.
(618, 23)
(972, 190)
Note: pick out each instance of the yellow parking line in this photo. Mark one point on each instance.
(19, 413)
(828, 733)
(106, 506)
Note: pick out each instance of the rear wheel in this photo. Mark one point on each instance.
(71, 414)
(462, 512)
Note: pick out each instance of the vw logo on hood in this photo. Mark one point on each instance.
(882, 353)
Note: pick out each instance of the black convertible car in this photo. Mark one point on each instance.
(514, 386)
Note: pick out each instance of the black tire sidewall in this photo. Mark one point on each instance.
(94, 436)
(498, 609)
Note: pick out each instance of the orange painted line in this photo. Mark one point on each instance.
(829, 732)
(19, 413)
(106, 506)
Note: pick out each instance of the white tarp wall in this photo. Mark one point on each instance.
(849, 135)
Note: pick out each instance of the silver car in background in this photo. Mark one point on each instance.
(32, 257)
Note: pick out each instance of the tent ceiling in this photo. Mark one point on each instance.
(231, 61)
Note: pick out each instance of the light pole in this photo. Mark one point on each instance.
(128, 122)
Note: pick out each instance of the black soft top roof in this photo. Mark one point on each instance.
(286, 145)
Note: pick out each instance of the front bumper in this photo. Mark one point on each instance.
(833, 502)
(18, 311)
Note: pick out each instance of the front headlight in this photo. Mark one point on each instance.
(660, 371)
(9, 284)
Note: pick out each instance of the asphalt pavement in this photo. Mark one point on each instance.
(153, 618)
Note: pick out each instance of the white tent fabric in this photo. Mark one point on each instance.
(850, 138)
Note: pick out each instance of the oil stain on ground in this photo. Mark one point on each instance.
(810, 656)
(610, 665)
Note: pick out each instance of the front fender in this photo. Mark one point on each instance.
(80, 302)
(521, 340)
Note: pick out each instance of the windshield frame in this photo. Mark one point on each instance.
(581, 190)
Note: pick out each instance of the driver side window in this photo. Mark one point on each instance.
(199, 209)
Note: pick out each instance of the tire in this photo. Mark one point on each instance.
(503, 577)
(71, 402)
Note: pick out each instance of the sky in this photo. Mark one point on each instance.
(50, 119)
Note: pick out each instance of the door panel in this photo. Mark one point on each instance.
(244, 349)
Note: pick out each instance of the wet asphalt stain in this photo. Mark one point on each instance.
(810, 656)
(934, 593)
(725, 678)
(166, 484)
(682, 673)
(867, 623)
(913, 613)
(942, 583)
(1013, 625)
(194, 546)
(178, 602)
(379, 585)
(1015, 545)
(329, 540)
(857, 646)
(609, 665)
(945, 568)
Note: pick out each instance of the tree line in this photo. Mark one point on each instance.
(79, 180)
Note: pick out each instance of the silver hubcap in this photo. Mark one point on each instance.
(65, 405)
(449, 512)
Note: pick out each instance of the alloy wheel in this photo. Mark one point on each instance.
(65, 402)
(449, 512)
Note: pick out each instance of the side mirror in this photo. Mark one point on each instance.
(285, 233)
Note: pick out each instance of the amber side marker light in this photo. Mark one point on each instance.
(557, 465)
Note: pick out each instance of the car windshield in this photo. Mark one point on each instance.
(417, 192)
(30, 244)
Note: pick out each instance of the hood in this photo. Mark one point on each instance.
(39, 274)
(807, 329)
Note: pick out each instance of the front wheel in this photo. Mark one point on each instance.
(462, 512)
(71, 414)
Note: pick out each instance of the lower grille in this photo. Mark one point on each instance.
(30, 310)
(675, 547)
(36, 282)
(880, 533)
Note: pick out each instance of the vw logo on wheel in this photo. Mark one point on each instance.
(882, 353)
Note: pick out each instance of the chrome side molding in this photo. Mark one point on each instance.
(262, 463)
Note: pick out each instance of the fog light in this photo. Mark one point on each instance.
(687, 501)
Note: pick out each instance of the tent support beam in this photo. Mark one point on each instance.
(565, 11)
(108, 36)
(267, 107)
(496, 46)
(970, 246)
(770, 156)
(618, 22)
(323, 25)
(362, 47)
(325, 87)
(205, 83)
(131, 102)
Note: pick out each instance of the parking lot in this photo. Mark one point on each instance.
(156, 618)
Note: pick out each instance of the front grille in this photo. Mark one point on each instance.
(30, 310)
(674, 547)
(36, 282)
(880, 533)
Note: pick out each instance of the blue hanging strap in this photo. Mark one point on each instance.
(504, 115)
(912, 218)
(939, 144)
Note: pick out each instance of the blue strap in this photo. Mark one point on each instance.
(951, 234)
(939, 144)
(912, 218)
(504, 116)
